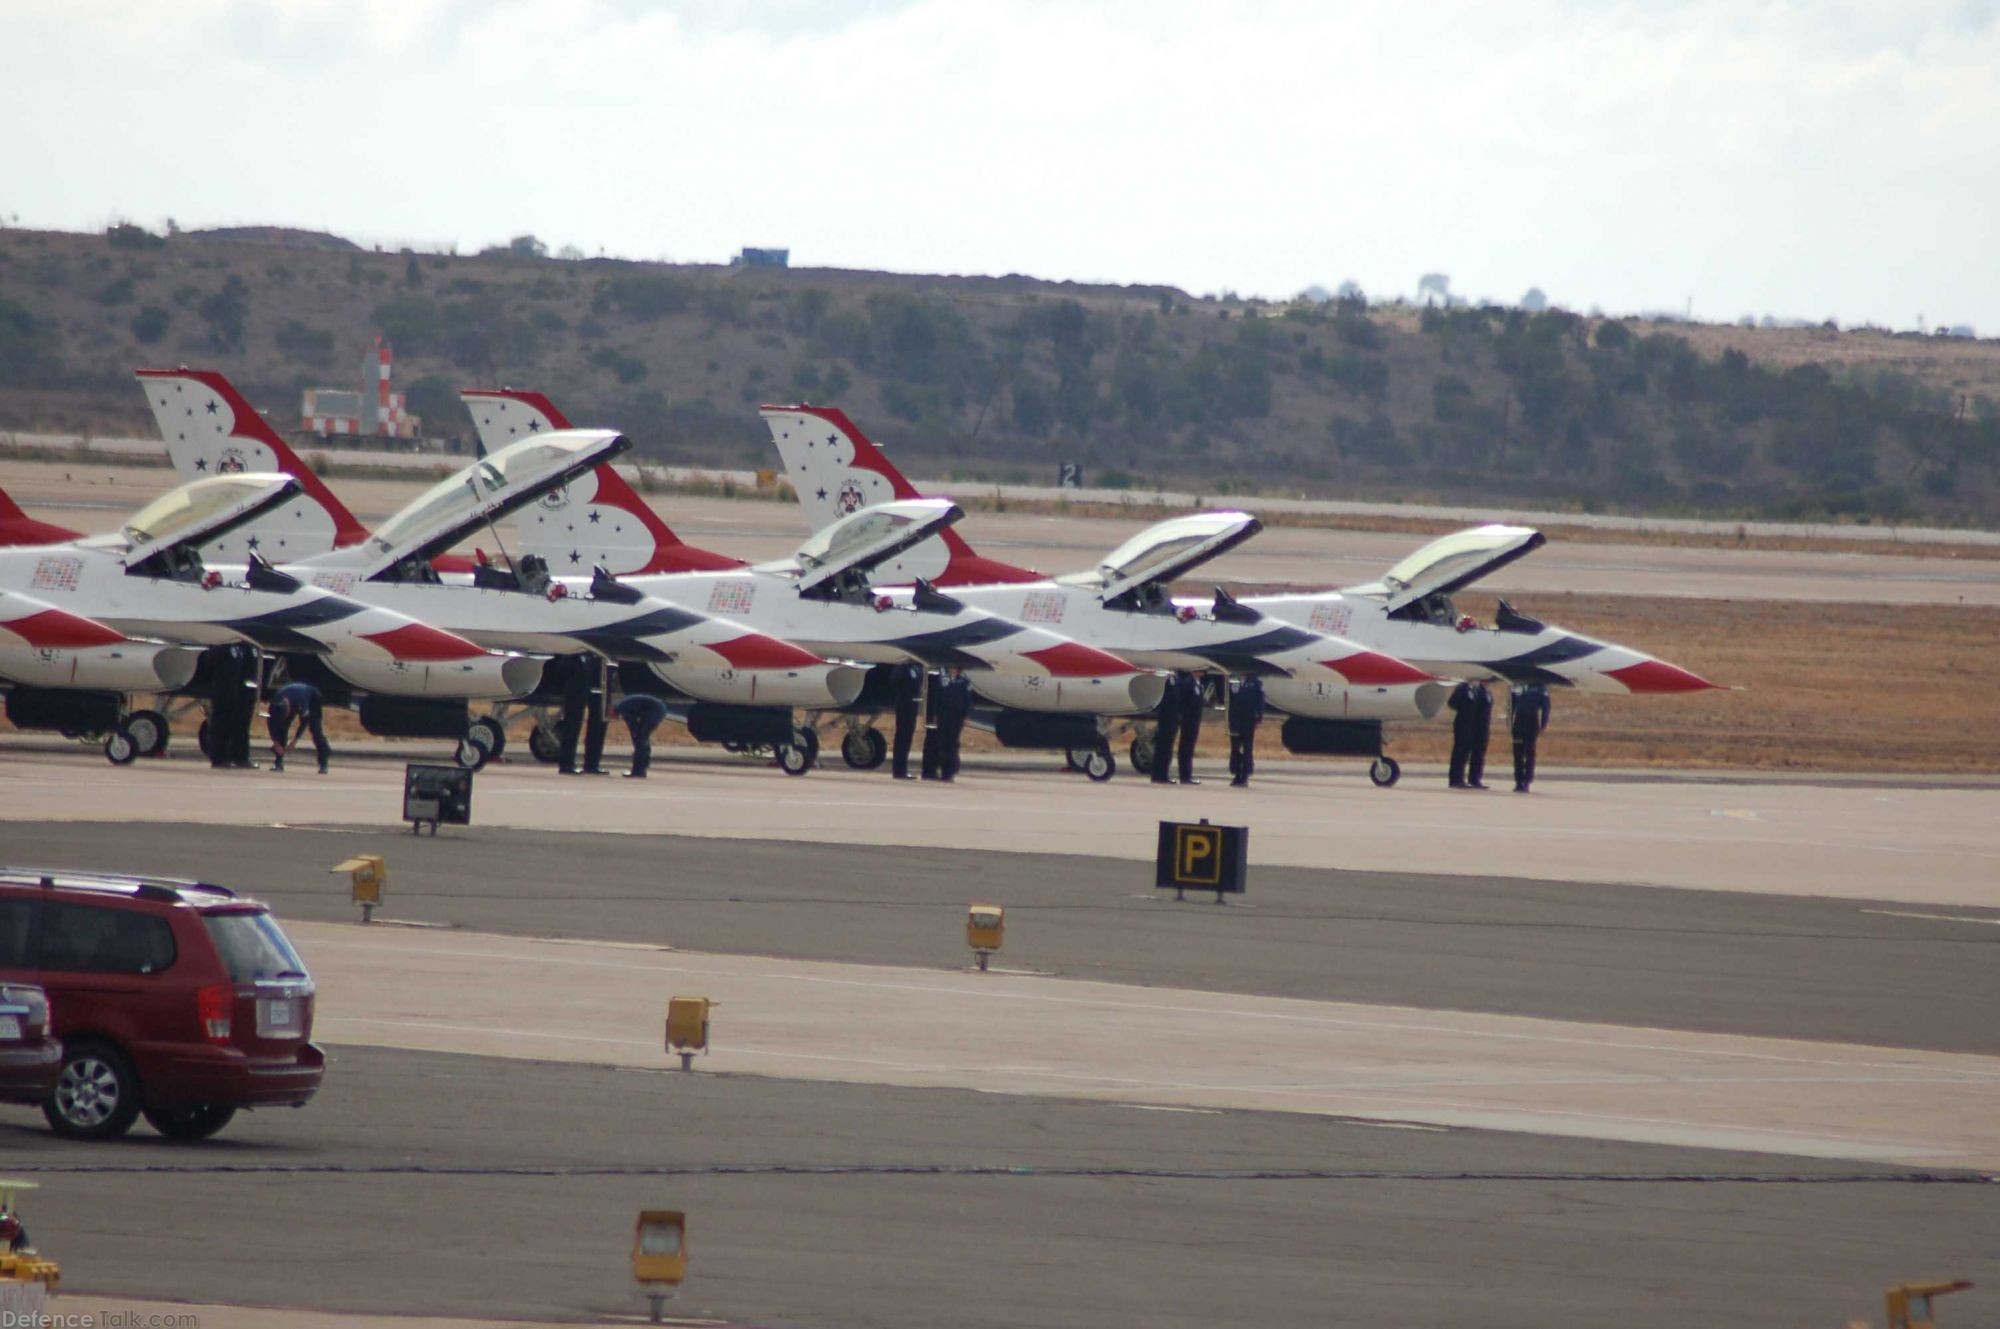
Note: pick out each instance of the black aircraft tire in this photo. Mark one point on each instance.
(1076, 761)
(149, 731)
(864, 749)
(1384, 771)
(121, 749)
(1100, 765)
(488, 733)
(470, 755)
(543, 745)
(1142, 754)
(794, 760)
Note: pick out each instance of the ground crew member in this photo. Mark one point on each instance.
(1246, 712)
(956, 697)
(582, 704)
(1194, 700)
(1482, 733)
(236, 734)
(224, 687)
(1167, 732)
(1464, 703)
(642, 713)
(1527, 717)
(296, 707)
(933, 713)
(906, 683)
(596, 724)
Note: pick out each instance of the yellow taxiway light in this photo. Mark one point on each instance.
(659, 1254)
(369, 878)
(1909, 1304)
(985, 928)
(687, 1027)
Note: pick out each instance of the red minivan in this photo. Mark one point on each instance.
(172, 998)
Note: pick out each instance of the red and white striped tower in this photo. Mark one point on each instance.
(384, 415)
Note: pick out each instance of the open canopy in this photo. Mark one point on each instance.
(1452, 562)
(485, 491)
(204, 510)
(870, 537)
(1167, 550)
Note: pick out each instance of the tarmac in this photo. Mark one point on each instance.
(1630, 1050)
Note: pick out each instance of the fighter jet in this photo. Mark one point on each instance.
(819, 599)
(1408, 615)
(148, 580)
(515, 604)
(63, 671)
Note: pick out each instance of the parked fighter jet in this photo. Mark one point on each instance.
(1026, 714)
(818, 600)
(710, 660)
(148, 580)
(1408, 615)
(66, 672)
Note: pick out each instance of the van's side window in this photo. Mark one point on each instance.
(93, 940)
(17, 931)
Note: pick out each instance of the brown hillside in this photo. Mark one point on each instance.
(1002, 377)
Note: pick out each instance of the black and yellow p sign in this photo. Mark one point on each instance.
(1198, 856)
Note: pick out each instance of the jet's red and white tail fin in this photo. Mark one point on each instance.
(18, 528)
(836, 470)
(211, 430)
(597, 519)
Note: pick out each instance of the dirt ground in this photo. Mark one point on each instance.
(1812, 688)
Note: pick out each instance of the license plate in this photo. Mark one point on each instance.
(277, 1018)
(10, 1026)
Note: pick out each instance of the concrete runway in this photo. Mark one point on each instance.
(1914, 843)
(99, 499)
(400, 1190)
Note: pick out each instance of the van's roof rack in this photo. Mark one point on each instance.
(142, 886)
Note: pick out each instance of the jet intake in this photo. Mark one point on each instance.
(819, 687)
(126, 667)
(1123, 694)
(1324, 701)
(479, 677)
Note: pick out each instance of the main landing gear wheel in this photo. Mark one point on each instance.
(864, 749)
(1384, 771)
(149, 731)
(121, 749)
(1100, 765)
(487, 733)
(794, 760)
(469, 754)
(1142, 754)
(1075, 758)
(543, 745)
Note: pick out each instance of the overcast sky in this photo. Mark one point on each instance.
(1803, 160)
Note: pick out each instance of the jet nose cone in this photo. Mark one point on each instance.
(1658, 676)
(1374, 669)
